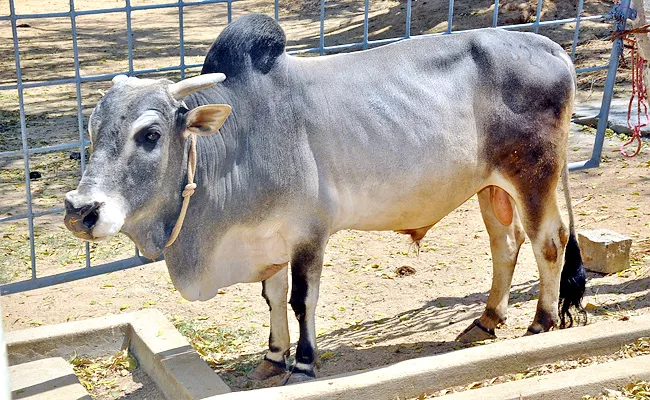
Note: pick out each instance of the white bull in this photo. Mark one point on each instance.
(393, 138)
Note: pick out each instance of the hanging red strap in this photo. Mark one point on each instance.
(639, 93)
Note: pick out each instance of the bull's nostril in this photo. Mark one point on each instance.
(91, 219)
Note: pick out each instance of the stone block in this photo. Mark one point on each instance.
(46, 379)
(605, 251)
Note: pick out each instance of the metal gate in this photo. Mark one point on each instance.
(619, 14)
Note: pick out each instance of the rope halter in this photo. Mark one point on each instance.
(204, 121)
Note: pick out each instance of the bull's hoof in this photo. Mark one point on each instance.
(265, 370)
(295, 377)
(533, 330)
(476, 332)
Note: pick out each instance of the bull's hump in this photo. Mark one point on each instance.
(252, 42)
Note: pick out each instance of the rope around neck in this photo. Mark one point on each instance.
(187, 192)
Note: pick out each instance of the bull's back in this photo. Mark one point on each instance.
(404, 134)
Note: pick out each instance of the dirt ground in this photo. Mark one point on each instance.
(367, 316)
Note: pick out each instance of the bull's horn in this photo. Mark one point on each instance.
(119, 78)
(180, 90)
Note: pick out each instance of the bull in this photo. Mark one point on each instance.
(248, 168)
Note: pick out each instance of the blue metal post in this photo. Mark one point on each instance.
(495, 16)
(608, 92)
(538, 15)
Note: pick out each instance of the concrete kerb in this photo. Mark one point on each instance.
(571, 384)
(162, 352)
(429, 374)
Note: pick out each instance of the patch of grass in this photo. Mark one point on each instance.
(219, 346)
(100, 375)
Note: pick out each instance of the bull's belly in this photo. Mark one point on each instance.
(376, 207)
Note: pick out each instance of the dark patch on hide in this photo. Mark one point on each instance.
(253, 41)
(303, 263)
(550, 250)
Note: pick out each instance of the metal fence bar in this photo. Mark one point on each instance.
(450, 16)
(80, 117)
(407, 33)
(109, 10)
(576, 33)
(20, 86)
(129, 35)
(103, 77)
(23, 133)
(365, 23)
(608, 92)
(181, 37)
(321, 47)
(73, 275)
(34, 214)
(538, 15)
(44, 149)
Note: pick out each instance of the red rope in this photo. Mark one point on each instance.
(639, 93)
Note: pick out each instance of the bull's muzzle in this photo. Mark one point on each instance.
(81, 221)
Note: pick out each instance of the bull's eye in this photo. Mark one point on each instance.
(152, 137)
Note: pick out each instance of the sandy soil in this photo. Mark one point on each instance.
(367, 315)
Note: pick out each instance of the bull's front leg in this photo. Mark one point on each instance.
(274, 291)
(306, 267)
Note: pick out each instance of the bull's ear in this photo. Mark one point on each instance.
(206, 120)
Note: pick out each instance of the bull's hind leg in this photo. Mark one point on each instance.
(506, 237)
(549, 237)
(274, 291)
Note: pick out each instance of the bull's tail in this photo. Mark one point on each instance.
(573, 280)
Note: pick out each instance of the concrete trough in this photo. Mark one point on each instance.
(179, 373)
(162, 352)
(409, 379)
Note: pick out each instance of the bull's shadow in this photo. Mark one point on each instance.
(373, 343)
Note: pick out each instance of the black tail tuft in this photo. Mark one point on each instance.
(572, 284)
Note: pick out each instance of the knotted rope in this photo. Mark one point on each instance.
(638, 88)
(187, 192)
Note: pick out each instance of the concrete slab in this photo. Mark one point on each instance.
(617, 120)
(574, 384)
(429, 374)
(46, 379)
(162, 352)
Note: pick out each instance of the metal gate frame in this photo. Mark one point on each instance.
(620, 13)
